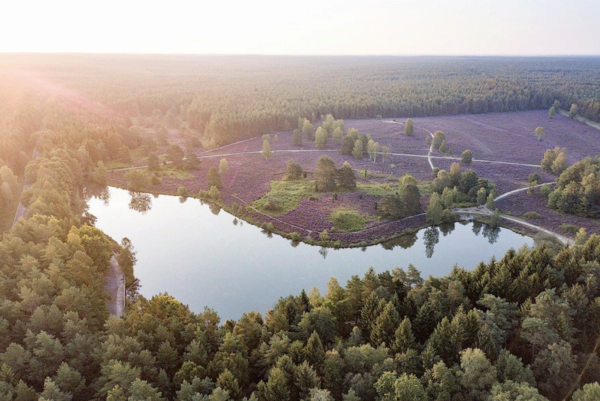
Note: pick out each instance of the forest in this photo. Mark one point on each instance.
(228, 98)
(526, 326)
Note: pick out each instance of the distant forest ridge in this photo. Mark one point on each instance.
(229, 98)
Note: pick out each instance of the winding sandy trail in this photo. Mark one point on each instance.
(115, 287)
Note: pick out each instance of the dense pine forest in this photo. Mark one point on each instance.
(526, 326)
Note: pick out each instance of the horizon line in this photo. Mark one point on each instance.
(293, 55)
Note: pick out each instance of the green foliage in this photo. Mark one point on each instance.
(297, 138)
(214, 193)
(539, 133)
(266, 150)
(293, 171)
(137, 180)
(223, 166)
(347, 145)
(213, 178)
(325, 175)
(347, 220)
(357, 150)
(337, 135)
(320, 138)
(532, 215)
(433, 214)
(182, 191)
(346, 178)
(573, 111)
(578, 189)
(466, 157)
(409, 128)
(405, 201)
(552, 112)
(438, 138)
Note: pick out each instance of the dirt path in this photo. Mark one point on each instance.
(580, 119)
(115, 287)
(21, 209)
(483, 211)
(504, 195)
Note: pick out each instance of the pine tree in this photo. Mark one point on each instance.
(404, 338)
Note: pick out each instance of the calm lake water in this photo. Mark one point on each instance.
(203, 259)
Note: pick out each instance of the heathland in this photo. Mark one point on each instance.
(524, 325)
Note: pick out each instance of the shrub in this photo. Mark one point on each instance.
(272, 205)
(347, 220)
(182, 191)
(214, 193)
(569, 228)
(466, 157)
(532, 215)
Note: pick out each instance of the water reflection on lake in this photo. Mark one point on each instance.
(207, 257)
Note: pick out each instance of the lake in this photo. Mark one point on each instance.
(215, 260)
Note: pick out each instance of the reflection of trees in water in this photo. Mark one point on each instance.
(295, 243)
(182, 199)
(324, 251)
(491, 233)
(477, 227)
(97, 191)
(405, 241)
(446, 228)
(140, 202)
(431, 236)
(235, 221)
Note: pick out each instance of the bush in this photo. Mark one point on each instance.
(293, 171)
(347, 220)
(534, 177)
(545, 190)
(466, 157)
(182, 191)
(272, 205)
(155, 180)
(214, 193)
(137, 180)
(532, 215)
(569, 228)
(268, 227)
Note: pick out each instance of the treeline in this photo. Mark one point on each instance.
(525, 325)
(229, 98)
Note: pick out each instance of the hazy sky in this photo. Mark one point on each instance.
(392, 27)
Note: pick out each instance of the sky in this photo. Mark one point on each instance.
(308, 27)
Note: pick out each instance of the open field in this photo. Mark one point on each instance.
(505, 151)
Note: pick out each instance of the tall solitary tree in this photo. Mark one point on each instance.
(539, 133)
(297, 138)
(325, 175)
(466, 157)
(321, 138)
(357, 152)
(266, 150)
(213, 178)
(573, 110)
(409, 128)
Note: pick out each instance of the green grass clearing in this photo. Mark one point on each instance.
(347, 220)
(390, 188)
(284, 196)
